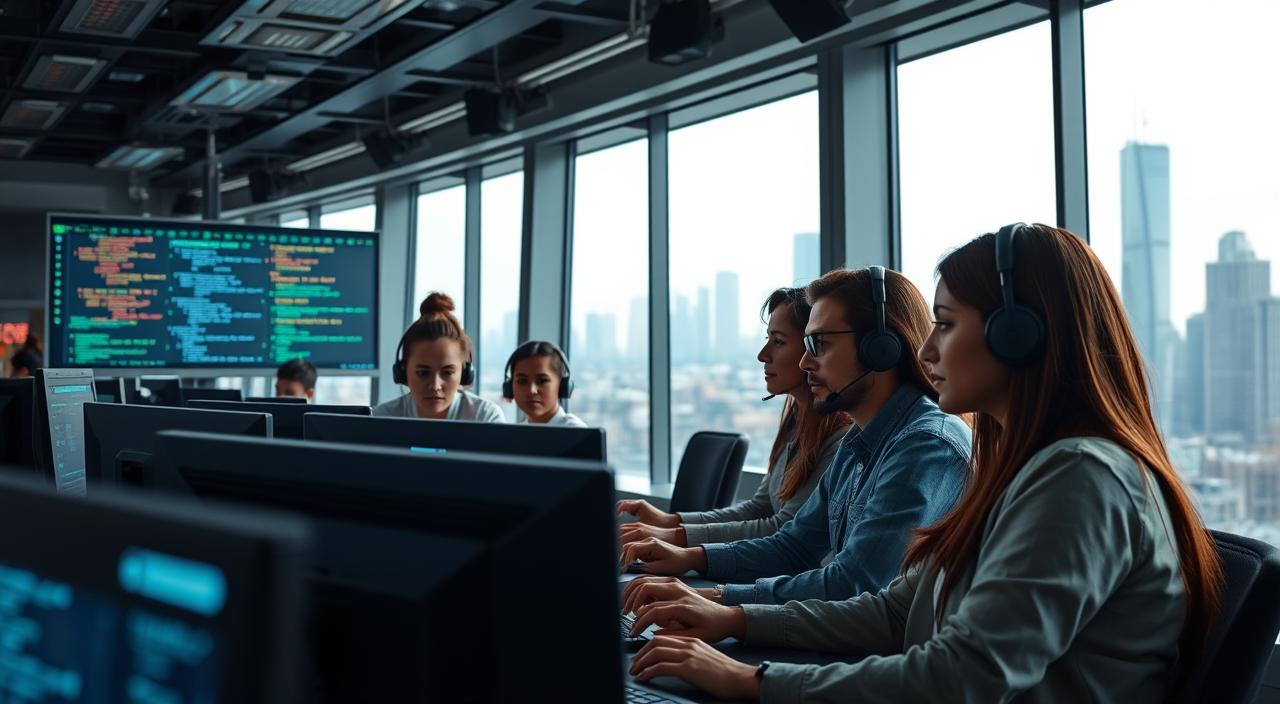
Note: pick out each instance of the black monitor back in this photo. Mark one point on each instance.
(120, 440)
(288, 416)
(110, 390)
(121, 598)
(431, 571)
(17, 422)
(276, 399)
(190, 393)
(160, 390)
(424, 435)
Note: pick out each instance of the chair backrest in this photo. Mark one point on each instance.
(709, 471)
(1241, 643)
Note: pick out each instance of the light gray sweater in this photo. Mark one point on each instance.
(765, 512)
(1075, 596)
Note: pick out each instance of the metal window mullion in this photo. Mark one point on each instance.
(659, 305)
(1066, 21)
(471, 299)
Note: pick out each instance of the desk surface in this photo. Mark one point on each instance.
(733, 649)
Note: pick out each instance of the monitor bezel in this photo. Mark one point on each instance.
(210, 371)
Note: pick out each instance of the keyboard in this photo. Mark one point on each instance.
(640, 696)
(635, 643)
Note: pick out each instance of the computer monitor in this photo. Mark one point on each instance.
(276, 399)
(109, 390)
(119, 440)
(17, 421)
(454, 435)
(190, 393)
(116, 598)
(161, 390)
(288, 416)
(61, 395)
(431, 571)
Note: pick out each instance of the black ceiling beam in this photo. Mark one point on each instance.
(359, 119)
(426, 24)
(583, 15)
(452, 78)
(168, 50)
(500, 24)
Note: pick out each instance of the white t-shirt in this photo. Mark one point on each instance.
(466, 406)
(562, 418)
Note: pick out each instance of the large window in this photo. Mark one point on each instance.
(610, 302)
(744, 191)
(359, 215)
(440, 262)
(1184, 212)
(975, 143)
(295, 219)
(501, 220)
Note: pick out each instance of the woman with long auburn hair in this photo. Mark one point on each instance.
(802, 451)
(1074, 567)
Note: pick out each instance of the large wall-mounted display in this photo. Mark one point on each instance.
(144, 294)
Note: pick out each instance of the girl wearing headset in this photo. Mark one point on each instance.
(537, 379)
(1074, 567)
(804, 447)
(433, 360)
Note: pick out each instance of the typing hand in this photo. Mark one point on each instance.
(692, 616)
(698, 664)
(662, 558)
(649, 589)
(646, 512)
(631, 532)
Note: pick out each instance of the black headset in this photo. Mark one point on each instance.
(564, 393)
(400, 375)
(880, 349)
(1014, 332)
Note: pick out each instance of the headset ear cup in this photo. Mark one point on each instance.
(880, 350)
(398, 374)
(1014, 335)
(508, 389)
(566, 388)
(468, 375)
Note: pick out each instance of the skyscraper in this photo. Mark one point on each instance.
(727, 340)
(638, 329)
(1235, 286)
(683, 341)
(702, 325)
(1268, 361)
(1144, 224)
(1189, 393)
(602, 336)
(807, 261)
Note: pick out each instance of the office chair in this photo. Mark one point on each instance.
(1231, 669)
(709, 471)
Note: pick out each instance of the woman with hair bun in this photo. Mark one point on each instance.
(434, 361)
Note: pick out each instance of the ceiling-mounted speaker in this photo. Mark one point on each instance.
(683, 31)
(388, 149)
(490, 111)
(810, 19)
(261, 186)
(187, 203)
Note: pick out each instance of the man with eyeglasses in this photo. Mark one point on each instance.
(902, 467)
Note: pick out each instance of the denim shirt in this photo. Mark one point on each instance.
(905, 470)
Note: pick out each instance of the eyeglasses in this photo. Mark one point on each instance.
(813, 342)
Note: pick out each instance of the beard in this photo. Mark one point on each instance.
(845, 400)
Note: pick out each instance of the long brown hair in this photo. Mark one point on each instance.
(810, 429)
(1090, 381)
(905, 312)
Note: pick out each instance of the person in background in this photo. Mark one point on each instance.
(802, 451)
(434, 361)
(538, 379)
(297, 378)
(25, 362)
(1075, 567)
(902, 468)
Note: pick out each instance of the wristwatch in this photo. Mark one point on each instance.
(717, 593)
(760, 669)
